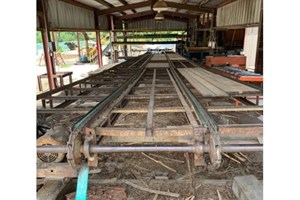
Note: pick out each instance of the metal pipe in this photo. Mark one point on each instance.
(242, 148)
(117, 149)
(102, 149)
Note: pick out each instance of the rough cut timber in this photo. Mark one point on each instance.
(213, 85)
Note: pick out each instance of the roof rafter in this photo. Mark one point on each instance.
(136, 15)
(125, 3)
(125, 7)
(103, 2)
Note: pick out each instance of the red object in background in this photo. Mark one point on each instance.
(235, 61)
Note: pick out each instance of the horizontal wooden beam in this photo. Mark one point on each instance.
(136, 15)
(122, 8)
(107, 4)
(188, 7)
(104, 3)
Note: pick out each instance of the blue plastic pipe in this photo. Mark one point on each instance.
(82, 183)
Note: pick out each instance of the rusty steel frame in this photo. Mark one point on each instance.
(204, 132)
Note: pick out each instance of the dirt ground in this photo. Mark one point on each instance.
(139, 169)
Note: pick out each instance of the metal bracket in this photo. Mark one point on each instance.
(215, 150)
(90, 139)
(199, 140)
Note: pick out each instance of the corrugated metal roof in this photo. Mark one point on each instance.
(38, 22)
(241, 12)
(142, 9)
(151, 24)
(212, 3)
(64, 15)
(135, 1)
(93, 4)
(103, 22)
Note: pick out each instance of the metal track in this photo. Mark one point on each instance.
(145, 95)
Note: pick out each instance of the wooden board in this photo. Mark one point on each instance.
(175, 57)
(159, 57)
(210, 84)
(158, 65)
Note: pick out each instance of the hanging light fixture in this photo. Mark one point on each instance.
(160, 6)
(159, 16)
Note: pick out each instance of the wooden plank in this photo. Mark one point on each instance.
(214, 82)
(203, 90)
(157, 65)
(245, 129)
(55, 170)
(247, 188)
(223, 83)
(51, 189)
(207, 84)
(149, 125)
(160, 57)
(206, 89)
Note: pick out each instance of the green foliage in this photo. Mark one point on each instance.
(38, 37)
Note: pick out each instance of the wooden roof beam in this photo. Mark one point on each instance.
(107, 5)
(136, 15)
(125, 7)
(125, 3)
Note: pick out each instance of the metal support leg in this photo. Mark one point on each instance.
(82, 183)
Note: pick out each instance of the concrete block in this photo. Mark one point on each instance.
(247, 188)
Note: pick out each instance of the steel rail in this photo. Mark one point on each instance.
(205, 118)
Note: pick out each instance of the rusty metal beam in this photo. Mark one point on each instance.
(151, 36)
(157, 132)
(145, 110)
(122, 8)
(233, 108)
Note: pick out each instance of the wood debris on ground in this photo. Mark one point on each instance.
(103, 193)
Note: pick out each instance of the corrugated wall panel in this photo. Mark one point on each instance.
(64, 15)
(151, 24)
(241, 12)
(103, 22)
(38, 22)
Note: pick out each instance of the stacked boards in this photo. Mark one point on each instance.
(209, 84)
